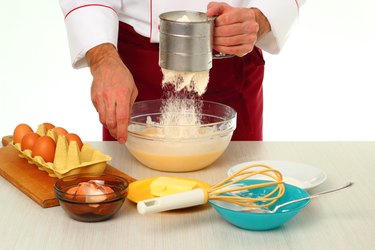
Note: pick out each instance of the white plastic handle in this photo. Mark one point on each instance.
(174, 201)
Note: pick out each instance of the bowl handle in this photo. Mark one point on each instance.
(189, 198)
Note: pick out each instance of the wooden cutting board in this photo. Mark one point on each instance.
(36, 184)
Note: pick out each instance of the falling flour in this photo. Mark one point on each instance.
(181, 108)
(191, 81)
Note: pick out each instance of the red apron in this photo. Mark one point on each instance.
(236, 81)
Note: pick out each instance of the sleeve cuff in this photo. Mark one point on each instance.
(281, 15)
(88, 27)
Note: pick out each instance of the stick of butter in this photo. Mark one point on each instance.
(168, 185)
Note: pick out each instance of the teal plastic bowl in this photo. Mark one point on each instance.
(263, 221)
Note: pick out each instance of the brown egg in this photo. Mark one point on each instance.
(73, 193)
(48, 126)
(72, 190)
(20, 131)
(29, 140)
(110, 192)
(73, 137)
(45, 147)
(60, 131)
(90, 192)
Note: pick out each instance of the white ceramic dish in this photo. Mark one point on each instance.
(298, 174)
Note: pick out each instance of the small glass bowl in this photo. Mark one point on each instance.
(91, 208)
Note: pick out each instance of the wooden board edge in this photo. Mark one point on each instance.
(6, 140)
(50, 203)
(21, 188)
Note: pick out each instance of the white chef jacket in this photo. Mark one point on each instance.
(93, 22)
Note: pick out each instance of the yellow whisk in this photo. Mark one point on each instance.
(227, 190)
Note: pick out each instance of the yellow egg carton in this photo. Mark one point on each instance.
(69, 159)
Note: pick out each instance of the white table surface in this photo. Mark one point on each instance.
(345, 220)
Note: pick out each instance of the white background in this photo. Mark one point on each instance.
(319, 88)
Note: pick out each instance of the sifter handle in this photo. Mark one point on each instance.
(221, 56)
(189, 198)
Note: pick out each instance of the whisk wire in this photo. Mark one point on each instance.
(226, 190)
(246, 173)
(241, 188)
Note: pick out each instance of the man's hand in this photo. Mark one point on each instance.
(236, 29)
(113, 90)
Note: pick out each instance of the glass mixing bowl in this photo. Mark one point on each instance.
(183, 147)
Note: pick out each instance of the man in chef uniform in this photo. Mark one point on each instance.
(118, 40)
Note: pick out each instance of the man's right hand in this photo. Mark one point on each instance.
(113, 90)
